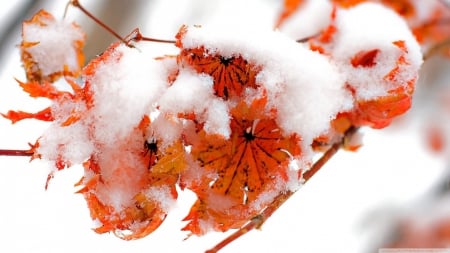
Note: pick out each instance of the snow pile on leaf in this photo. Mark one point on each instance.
(234, 121)
(380, 66)
(51, 48)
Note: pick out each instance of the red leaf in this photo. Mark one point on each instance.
(247, 165)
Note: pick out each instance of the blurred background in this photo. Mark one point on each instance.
(394, 191)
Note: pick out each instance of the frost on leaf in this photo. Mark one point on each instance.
(51, 48)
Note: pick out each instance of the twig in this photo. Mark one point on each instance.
(76, 3)
(126, 40)
(16, 152)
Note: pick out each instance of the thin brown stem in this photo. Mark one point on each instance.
(305, 39)
(137, 36)
(259, 220)
(157, 40)
(66, 9)
(77, 4)
(15, 152)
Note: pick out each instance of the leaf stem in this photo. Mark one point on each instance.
(125, 40)
(77, 4)
(15, 152)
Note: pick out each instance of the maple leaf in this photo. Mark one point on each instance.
(246, 166)
(379, 112)
(49, 91)
(231, 74)
(129, 190)
(51, 48)
(398, 82)
(171, 161)
(42, 90)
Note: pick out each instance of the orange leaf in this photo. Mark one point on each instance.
(251, 162)
(142, 178)
(171, 161)
(33, 64)
(379, 112)
(15, 116)
(43, 90)
(231, 75)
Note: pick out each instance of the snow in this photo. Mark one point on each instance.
(166, 128)
(193, 93)
(267, 197)
(312, 16)
(122, 173)
(372, 33)
(56, 40)
(317, 85)
(303, 85)
(72, 143)
(217, 119)
(162, 196)
(125, 87)
(300, 83)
